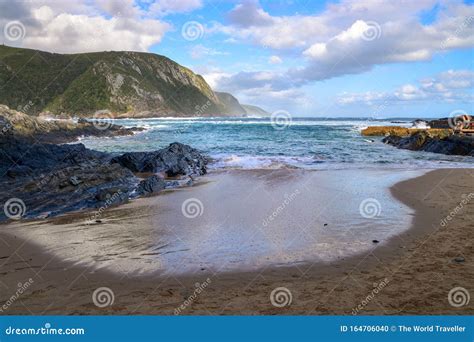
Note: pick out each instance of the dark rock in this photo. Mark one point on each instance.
(112, 195)
(424, 141)
(375, 241)
(459, 259)
(14, 124)
(19, 171)
(45, 157)
(439, 123)
(172, 184)
(151, 185)
(74, 180)
(176, 159)
(55, 179)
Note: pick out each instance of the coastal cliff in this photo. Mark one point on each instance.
(131, 84)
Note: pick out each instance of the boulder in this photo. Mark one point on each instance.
(151, 185)
(174, 160)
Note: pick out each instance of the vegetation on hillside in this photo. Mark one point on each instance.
(122, 82)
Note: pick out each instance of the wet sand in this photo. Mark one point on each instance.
(412, 269)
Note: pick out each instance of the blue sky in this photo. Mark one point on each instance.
(319, 58)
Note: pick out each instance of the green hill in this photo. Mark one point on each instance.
(126, 83)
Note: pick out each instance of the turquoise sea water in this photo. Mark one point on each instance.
(315, 143)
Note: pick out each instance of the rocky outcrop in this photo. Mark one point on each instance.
(442, 123)
(425, 141)
(397, 131)
(386, 130)
(53, 179)
(151, 185)
(176, 159)
(18, 125)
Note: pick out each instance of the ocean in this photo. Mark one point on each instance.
(260, 143)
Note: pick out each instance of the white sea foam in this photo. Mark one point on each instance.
(232, 161)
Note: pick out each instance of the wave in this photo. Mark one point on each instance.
(159, 123)
(247, 162)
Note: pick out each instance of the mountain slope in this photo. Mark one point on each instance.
(231, 104)
(127, 83)
(254, 110)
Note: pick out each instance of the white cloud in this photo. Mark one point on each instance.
(352, 36)
(165, 7)
(248, 21)
(249, 14)
(449, 86)
(275, 60)
(70, 28)
(121, 8)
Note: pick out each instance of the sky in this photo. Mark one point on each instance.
(311, 58)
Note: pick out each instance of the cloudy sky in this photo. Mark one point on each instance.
(320, 58)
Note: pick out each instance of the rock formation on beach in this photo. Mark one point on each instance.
(131, 84)
(176, 159)
(51, 179)
(429, 142)
(21, 125)
(436, 140)
(54, 179)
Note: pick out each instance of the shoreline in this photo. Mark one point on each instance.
(320, 279)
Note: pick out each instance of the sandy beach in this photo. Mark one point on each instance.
(303, 231)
